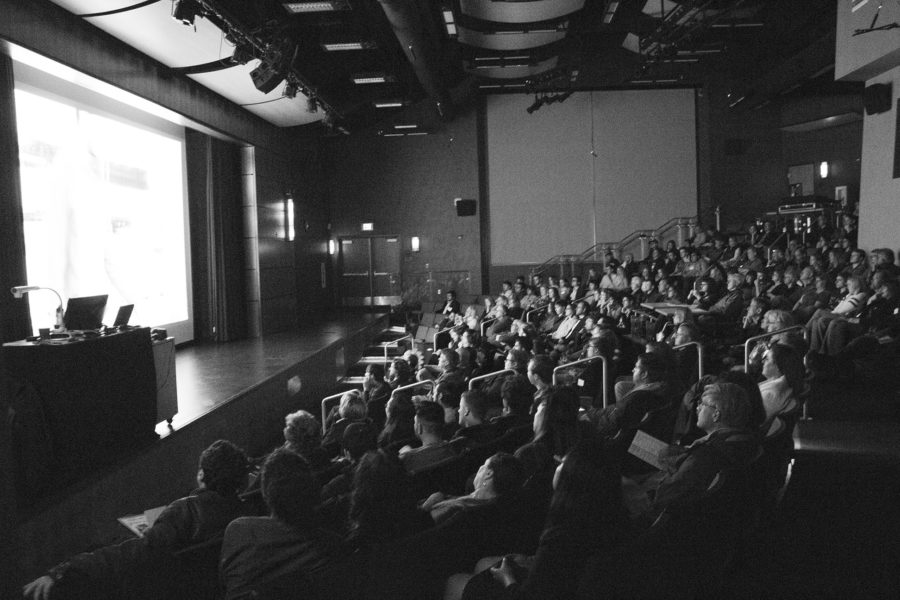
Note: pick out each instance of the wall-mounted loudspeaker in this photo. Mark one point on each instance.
(465, 207)
(877, 98)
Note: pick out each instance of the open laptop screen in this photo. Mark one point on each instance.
(124, 315)
(86, 312)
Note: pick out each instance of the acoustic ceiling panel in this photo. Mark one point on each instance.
(513, 71)
(509, 40)
(519, 12)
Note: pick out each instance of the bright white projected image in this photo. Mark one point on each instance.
(103, 205)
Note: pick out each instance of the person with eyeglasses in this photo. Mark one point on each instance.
(724, 414)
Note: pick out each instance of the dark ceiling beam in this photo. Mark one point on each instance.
(421, 50)
(810, 62)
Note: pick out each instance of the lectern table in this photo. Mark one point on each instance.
(97, 397)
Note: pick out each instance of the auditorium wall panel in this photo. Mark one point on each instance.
(879, 206)
(592, 169)
(406, 186)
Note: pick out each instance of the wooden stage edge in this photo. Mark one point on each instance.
(236, 391)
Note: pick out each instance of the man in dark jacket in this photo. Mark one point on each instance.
(723, 413)
(197, 518)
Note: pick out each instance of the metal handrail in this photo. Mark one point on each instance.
(436, 334)
(527, 316)
(763, 336)
(485, 322)
(328, 400)
(396, 344)
(427, 382)
(585, 361)
(490, 376)
(559, 259)
(699, 356)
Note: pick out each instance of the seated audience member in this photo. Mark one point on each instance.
(879, 313)
(812, 299)
(557, 427)
(448, 366)
(849, 306)
(686, 430)
(723, 413)
(569, 326)
(429, 428)
(303, 435)
(382, 507)
(730, 306)
(376, 392)
(399, 374)
(500, 325)
(199, 517)
(358, 439)
(259, 551)
(649, 393)
(586, 519)
(449, 310)
(556, 312)
(540, 375)
(352, 409)
(499, 478)
(447, 394)
(517, 394)
(474, 428)
(702, 296)
(398, 427)
(783, 371)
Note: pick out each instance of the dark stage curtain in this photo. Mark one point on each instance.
(15, 321)
(217, 256)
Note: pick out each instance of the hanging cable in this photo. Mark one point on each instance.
(116, 11)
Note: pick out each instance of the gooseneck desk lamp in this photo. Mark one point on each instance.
(20, 290)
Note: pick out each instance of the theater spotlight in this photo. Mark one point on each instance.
(186, 11)
(273, 67)
(538, 102)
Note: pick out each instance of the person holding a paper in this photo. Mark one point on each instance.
(197, 518)
(724, 414)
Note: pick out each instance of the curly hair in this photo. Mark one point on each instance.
(302, 431)
(224, 468)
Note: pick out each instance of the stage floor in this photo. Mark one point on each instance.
(209, 374)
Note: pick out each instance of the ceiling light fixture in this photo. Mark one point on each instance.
(370, 78)
(314, 7)
(392, 104)
(347, 46)
(411, 126)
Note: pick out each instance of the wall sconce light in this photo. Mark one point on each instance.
(414, 243)
(332, 247)
(20, 290)
(289, 216)
(368, 227)
(823, 169)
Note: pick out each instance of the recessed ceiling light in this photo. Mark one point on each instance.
(313, 7)
(345, 46)
(392, 104)
(405, 126)
(368, 78)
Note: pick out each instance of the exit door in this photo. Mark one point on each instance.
(370, 270)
